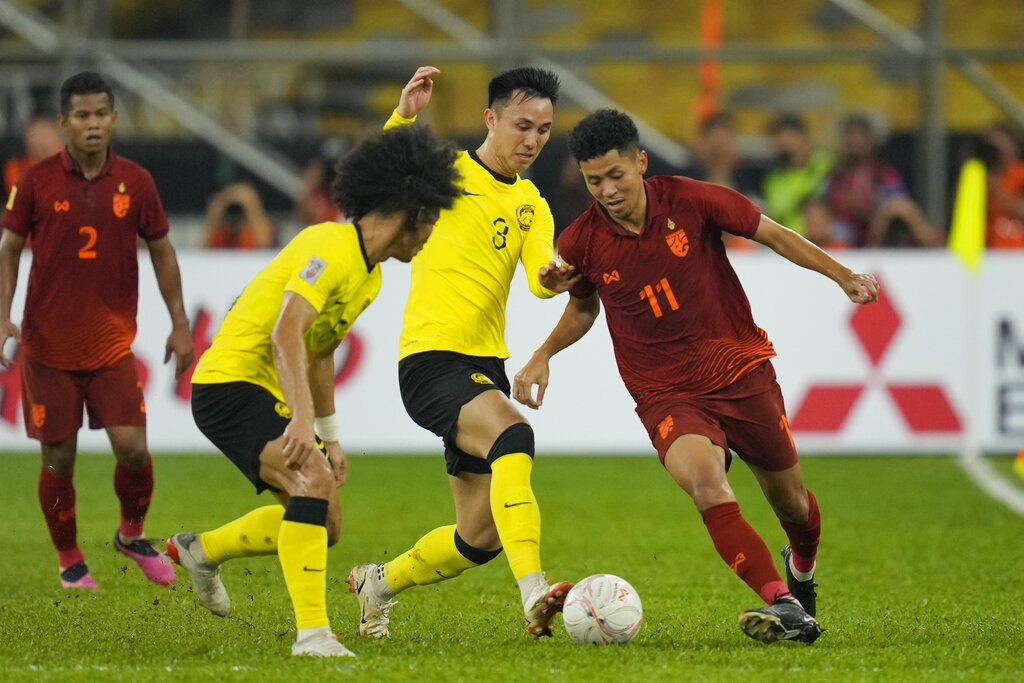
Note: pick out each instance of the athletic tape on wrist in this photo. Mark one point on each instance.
(327, 427)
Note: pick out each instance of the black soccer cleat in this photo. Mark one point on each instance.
(801, 590)
(783, 620)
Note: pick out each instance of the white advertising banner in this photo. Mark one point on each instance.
(938, 360)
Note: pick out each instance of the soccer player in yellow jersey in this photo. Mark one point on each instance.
(264, 391)
(452, 354)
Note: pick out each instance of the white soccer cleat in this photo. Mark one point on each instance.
(321, 644)
(373, 612)
(187, 550)
(545, 602)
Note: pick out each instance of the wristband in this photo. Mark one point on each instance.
(326, 427)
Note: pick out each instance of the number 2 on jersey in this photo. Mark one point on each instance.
(651, 293)
(87, 251)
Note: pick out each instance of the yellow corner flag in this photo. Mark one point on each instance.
(967, 231)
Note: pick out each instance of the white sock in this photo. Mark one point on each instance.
(379, 585)
(801, 576)
(314, 632)
(528, 587)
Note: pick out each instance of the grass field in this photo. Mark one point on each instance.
(922, 578)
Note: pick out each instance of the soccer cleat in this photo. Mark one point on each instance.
(153, 563)
(783, 620)
(545, 603)
(322, 644)
(801, 590)
(373, 612)
(77, 576)
(187, 551)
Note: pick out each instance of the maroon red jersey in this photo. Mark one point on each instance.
(83, 288)
(679, 320)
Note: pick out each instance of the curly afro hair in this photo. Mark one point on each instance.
(602, 131)
(406, 169)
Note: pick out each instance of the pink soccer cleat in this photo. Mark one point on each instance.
(77, 576)
(153, 563)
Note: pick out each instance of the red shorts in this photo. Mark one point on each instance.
(53, 399)
(748, 417)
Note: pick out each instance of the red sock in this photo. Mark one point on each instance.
(804, 538)
(744, 551)
(57, 498)
(134, 487)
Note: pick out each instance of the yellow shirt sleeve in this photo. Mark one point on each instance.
(397, 120)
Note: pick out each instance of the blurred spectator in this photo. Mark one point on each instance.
(315, 204)
(793, 187)
(571, 198)
(717, 158)
(42, 139)
(235, 219)
(1005, 211)
(867, 200)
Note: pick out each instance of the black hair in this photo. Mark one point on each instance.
(719, 118)
(602, 131)
(787, 120)
(84, 83)
(403, 169)
(529, 80)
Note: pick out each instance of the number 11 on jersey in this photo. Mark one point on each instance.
(651, 292)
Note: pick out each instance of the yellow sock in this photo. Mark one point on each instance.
(252, 534)
(434, 558)
(515, 511)
(302, 551)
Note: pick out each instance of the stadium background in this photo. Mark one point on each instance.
(214, 92)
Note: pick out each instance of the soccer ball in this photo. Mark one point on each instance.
(602, 609)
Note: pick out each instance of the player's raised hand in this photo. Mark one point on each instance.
(862, 288)
(179, 343)
(534, 373)
(8, 330)
(416, 93)
(558, 277)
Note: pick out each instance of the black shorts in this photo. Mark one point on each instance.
(240, 419)
(436, 384)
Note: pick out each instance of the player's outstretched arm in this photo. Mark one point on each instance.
(416, 93)
(11, 247)
(558, 277)
(576, 321)
(862, 288)
(168, 278)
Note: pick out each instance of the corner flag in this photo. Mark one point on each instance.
(967, 231)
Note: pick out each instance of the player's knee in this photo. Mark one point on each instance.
(791, 506)
(475, 554)
(516, 439)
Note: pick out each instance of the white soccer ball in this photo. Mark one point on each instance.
(602, 609)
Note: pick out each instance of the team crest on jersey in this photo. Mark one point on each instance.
(283, 410)
(524, 215)
(122, 202)
(481, 378)
(38, 414)
(313, 270)
(677, 240)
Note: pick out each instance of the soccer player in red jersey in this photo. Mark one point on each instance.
(85, 209)
(651, 251)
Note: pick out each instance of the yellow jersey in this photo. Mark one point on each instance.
(461, 278)
(325, 264)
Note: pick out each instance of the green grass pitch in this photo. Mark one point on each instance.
(922, 578)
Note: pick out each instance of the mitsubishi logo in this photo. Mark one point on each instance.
(924, 406)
